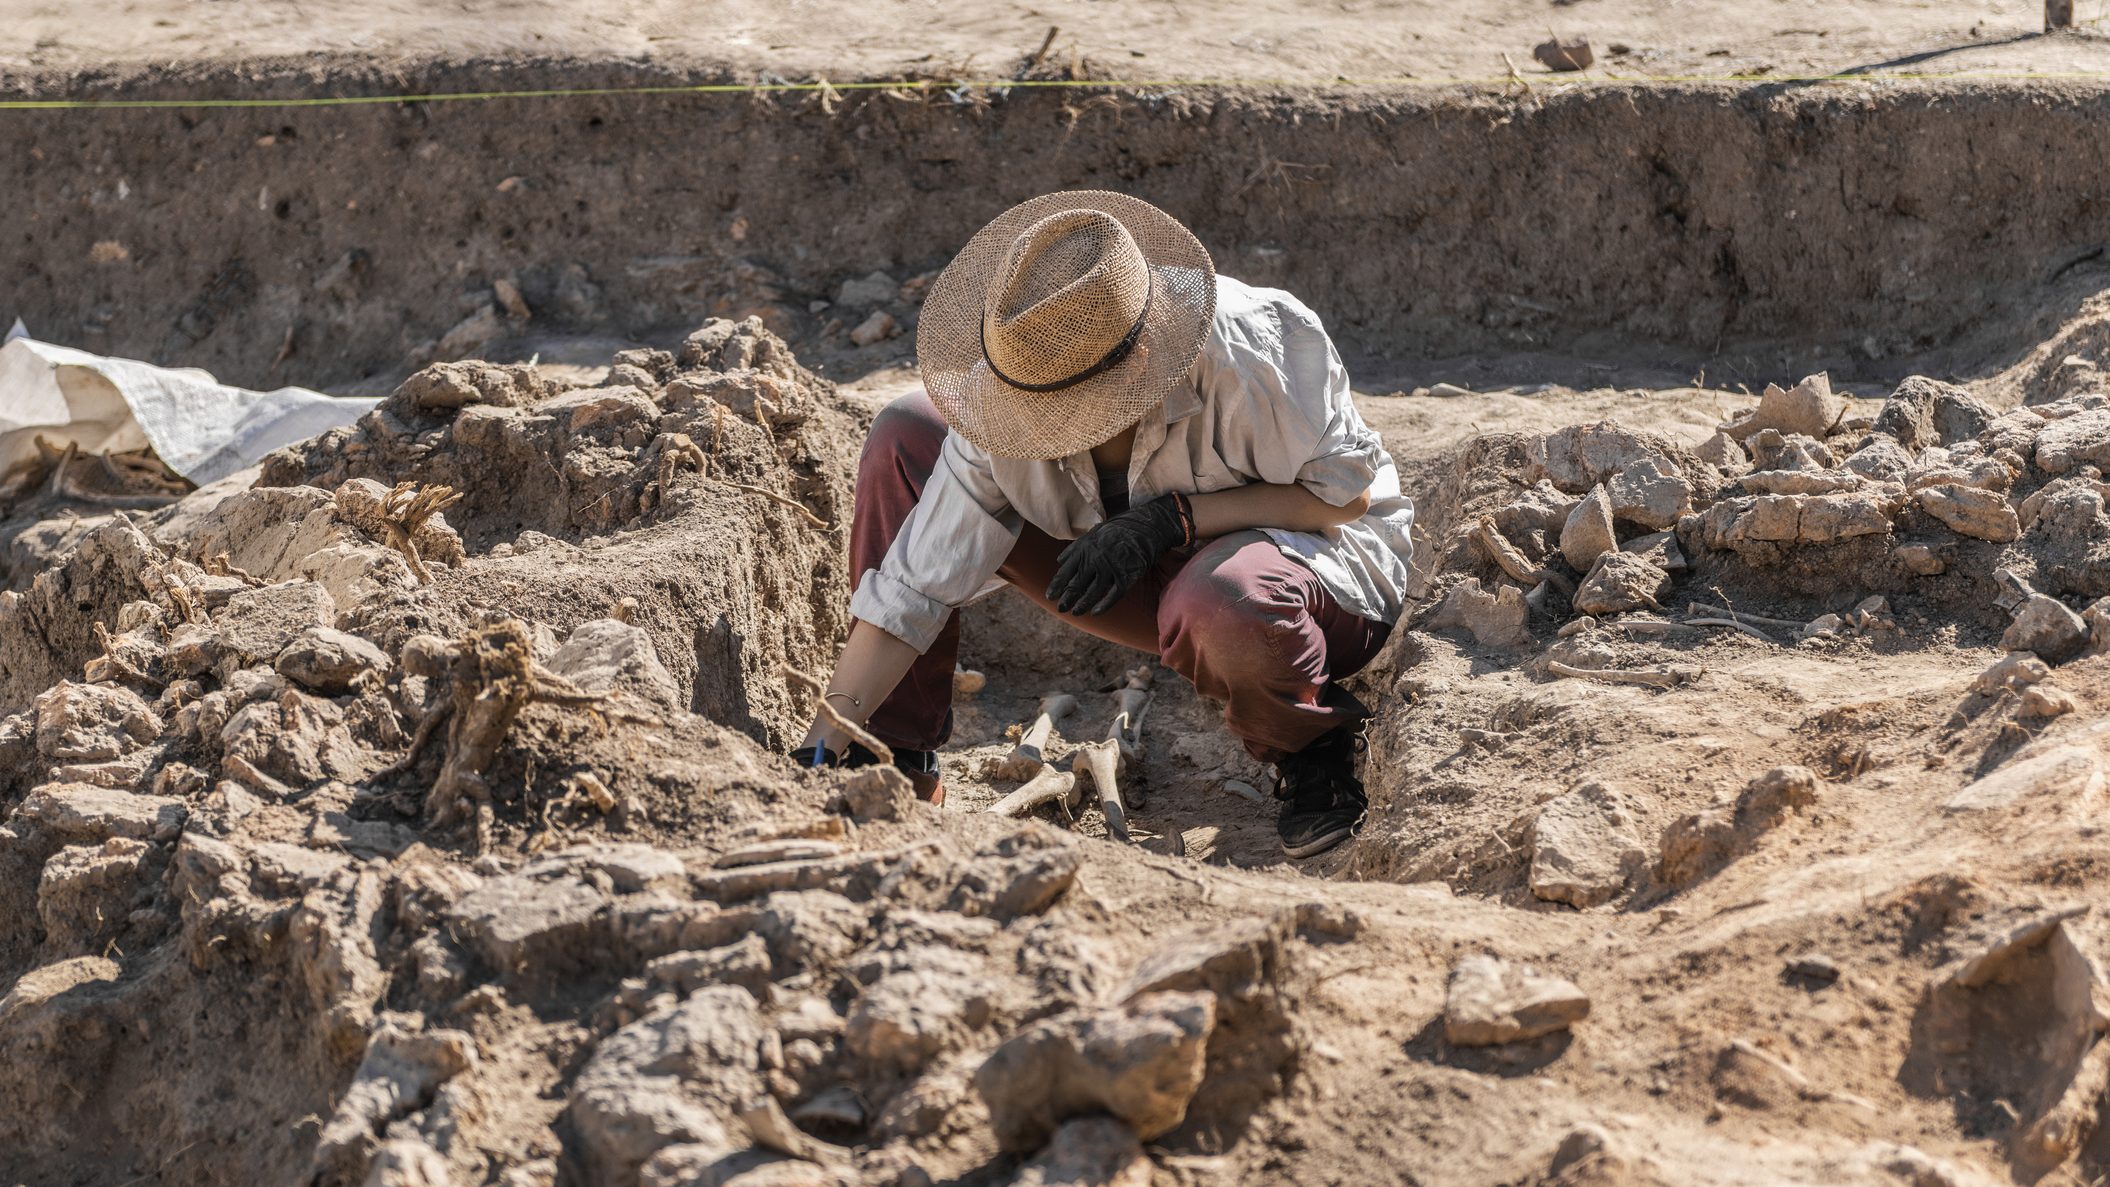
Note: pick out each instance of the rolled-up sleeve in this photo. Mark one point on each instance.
(1304, 428)
(962, 528)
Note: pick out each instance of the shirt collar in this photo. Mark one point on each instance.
(1183, 401)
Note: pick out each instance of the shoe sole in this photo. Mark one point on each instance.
(1320, 843)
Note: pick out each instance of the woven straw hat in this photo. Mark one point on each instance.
(1063, 322)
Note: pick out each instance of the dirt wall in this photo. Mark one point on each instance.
(1879, 227)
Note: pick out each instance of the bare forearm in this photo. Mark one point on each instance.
(1270, 505)
(872, 663)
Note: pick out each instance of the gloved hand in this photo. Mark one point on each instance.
(1100, 566)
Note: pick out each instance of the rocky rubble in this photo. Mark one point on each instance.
(390, 777)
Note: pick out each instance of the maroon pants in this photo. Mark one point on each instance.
(1247, 625)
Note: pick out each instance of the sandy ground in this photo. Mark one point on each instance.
(1243, 40)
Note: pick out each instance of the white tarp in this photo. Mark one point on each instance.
(202, 428)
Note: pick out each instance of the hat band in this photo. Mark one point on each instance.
(1112, 358)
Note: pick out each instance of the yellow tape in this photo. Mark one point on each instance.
(1003, 84)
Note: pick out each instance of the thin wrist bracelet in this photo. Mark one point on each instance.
(846, 696)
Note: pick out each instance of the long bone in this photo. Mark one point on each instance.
(1030, 755)
(1048, 784)
(1123, 742)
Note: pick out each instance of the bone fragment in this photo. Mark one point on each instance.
(1242, 788)
(1510, 561)
(1670, 679)
(1760, 619)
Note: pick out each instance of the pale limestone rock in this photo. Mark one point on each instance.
(1588, 533)
(1140, 1062)
(1490, 1001)
(1583, 847)
(1495, 617)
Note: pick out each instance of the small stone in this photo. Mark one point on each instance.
(1495, 618)
(2048, 628)
(1881, 459)
(1141, 1062)
(1772, 449)
(1724, 453)
(877, 328)
(1619, 582)
(876, 288)
(1564, 56)
(1491, 1001)
(1585, 1144)
(1659, 549)
(1583, 847)
(2012, 672)
(1971, 511)
(2042, 702)
(1588, 533)
(1823, 626)
(1088, 1152)
(329, 661)
(1808, 408)
(1921, 560)
(1814, 967)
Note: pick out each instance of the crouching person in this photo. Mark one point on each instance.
(1157, 455)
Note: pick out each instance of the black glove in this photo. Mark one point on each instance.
(1100, 566)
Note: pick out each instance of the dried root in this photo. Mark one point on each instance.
(405, 510)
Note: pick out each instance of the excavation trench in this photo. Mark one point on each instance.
(475, 824)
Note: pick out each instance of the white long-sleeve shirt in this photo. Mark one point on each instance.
(1267, 400)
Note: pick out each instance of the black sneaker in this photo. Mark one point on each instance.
(1322, 799)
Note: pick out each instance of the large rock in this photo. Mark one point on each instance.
(1583, 848)
(1495, 617)
(1491, 1001)
(1651, 492)
(79, 723)
(329, 660)
(1088, 1152)
(1141, 1062)
(80, 812)
(1808, 408)
(2047, 627)
(603, 655)
(2068, 778)
(257, 624)
(675, 1078)
(1753, 520)
(1924, 412)
(1582, 456)
(1619, 582)
(2083, 438)
(515, 921)
(1588, 533)
(1971, 511)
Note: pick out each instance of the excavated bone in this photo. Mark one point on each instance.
(1047, 785)
(1030, 755)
